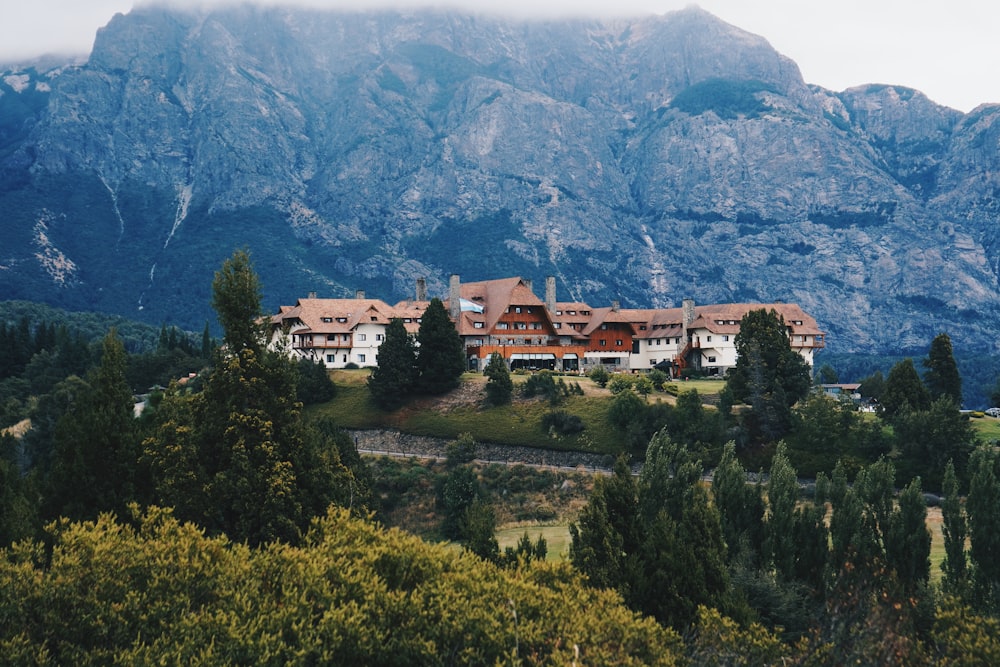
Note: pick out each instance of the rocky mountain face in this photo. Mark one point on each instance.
(642, 161)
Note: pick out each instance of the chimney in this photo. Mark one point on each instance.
(529, 284)
(421, 289)
(687, 306)
(550, 294)
(687, 317)
(455, 296)
(360, 294)
(312, 295)
(615, 306)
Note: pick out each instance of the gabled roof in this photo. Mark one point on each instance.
(607, 315)
(725, 318)
(494, 296)
(326, 316)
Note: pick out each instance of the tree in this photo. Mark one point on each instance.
(314, 384)
(942, 377)
(903, 392)
(769, 376)
(96, 452)
(499, 386)
(393, 380)
(599, 375)
(983, 508)
(256, 472)
(741, 509)
(955, 530)
(440, 353)
(928, 439)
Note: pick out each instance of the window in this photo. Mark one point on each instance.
(478, 325)
(328, 319)
(341, 319)
(379, 337)
(345, 358)
(536, 325)
(331, 358)
(517, 309)
(528, 309)
(604, 327)
(618, 341)
(362, 336)
(642, 327)
(558, 325)
(571, 312)
(652, 362)
(361, 358)
(708, 339)
(374, 319)
(501, 325)
(711, 360)
(604, 342)
(725, 338)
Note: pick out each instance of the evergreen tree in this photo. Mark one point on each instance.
(983, 508)
(741, 509)
(96, 452)
(942, 377)
(440, 353)
(499, 386)
(928, 439)
(255, 471)
(955, 530)
(903, 392)
(393, 380)
(769, 376)
(782, 496)
(908, 542)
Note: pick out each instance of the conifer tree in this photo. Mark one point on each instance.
(393, 380)
(903, 392)
(440, 353)
(96, 453)
(942, 377)
(499, 386)
(769, 375)
(955, 530)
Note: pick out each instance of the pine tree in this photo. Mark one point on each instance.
(499, 386)
(769, 376)
(96, 452)
(903, 392)
(955, 530)
(393, 380)
(942, 377)
(983, 508)
(440, 353)
(741, 509)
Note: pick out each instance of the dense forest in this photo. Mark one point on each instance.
(216, 521)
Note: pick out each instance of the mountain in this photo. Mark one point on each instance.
(642, 161)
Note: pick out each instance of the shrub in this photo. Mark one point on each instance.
(562, 422)
(599, 374)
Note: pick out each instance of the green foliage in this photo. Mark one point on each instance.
(620, 382)
(942, 377)
(440, 352)
(395, 377)
(728, 98)
(460, 451)
(499, 386)
(351, 593)
(827, 430)
(457, 491)
(741, 509)
(963, 638)
(546, 385)
(658, 378)
(903, 392)
(314, 384)
(983, 508)
(561, 422)
(769, 376)
(955, 581)
(928, 439)
(600, 375)
(96, 455)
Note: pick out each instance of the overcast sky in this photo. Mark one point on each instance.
(947, 49)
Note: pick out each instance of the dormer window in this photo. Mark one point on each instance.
(342, 320)
(328, 319)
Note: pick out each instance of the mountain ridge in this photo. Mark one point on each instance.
(643, 161)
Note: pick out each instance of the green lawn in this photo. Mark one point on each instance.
(516, 424)
(988, 428)
(557, 539)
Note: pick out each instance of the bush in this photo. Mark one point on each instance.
(562, 422)
(599, 375)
